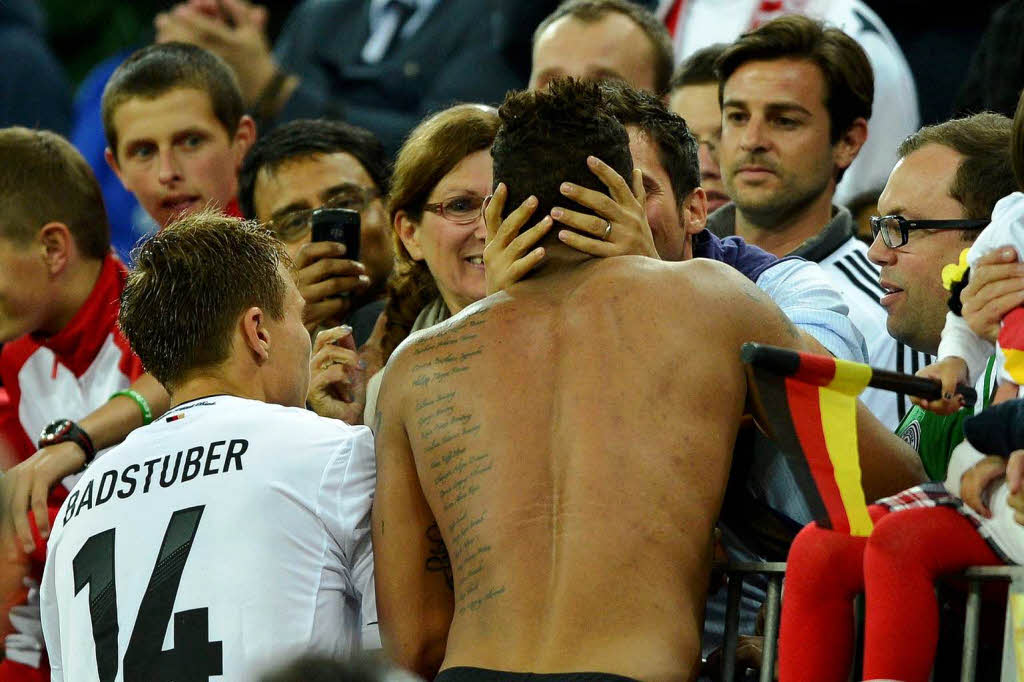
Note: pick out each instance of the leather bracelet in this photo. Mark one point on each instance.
(147, 411)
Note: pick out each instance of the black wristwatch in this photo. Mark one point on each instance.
(64, 430)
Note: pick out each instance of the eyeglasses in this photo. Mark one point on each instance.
(461, 210)
(294, 225)
(895, 229)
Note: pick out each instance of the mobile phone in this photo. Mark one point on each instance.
(338, 225)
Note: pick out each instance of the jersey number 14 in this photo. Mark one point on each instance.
(193, 657)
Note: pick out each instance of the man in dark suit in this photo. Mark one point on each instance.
(379, 64)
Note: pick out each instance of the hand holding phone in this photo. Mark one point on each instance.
(327, 278)
(338, 225)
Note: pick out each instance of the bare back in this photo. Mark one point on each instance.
(572, 439)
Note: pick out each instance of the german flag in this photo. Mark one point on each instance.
(810, 402)
(1011, 342)
(810, 405)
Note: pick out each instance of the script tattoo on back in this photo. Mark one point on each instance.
(457, 461)
(439, 559)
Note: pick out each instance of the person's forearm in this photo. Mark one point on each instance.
(958, 340)
(888, 465)
(108, 424)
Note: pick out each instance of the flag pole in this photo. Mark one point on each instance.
(787, 362)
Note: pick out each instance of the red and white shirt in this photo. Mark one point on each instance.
(64, 376)
(69, 374)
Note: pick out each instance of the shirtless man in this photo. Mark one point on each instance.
(540, 505)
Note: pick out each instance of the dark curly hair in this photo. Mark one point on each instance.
(546, 137)
(677, 147)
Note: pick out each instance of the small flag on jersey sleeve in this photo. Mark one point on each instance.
(810, 402)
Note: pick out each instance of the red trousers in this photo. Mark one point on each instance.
(896, 567)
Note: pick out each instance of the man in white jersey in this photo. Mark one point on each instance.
(233, 531)
(795, 99)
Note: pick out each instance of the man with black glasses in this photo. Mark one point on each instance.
(309, 164)
(937, 200)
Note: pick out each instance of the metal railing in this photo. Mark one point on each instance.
(775, 571)
(736, 571)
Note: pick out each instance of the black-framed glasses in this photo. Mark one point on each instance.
(296, 224)
(895, 229)
(460, 210)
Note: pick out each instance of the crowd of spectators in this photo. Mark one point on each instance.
(165, 287)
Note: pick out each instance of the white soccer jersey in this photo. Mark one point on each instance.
(219, 539)
(856, 278)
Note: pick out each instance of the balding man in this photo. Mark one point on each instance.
(602, 39)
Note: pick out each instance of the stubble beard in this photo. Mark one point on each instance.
(776, 211)
(911, 328)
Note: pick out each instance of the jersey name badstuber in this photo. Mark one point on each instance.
(218, 457)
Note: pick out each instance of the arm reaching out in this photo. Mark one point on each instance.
(950, 371)
(509, 255)
(619, 227)
(27, 486)
(337, 385)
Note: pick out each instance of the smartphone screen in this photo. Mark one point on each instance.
(338, 225)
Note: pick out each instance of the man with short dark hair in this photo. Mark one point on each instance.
(176, 130)
(795, 99)
(63, 355)
(153, 527)
(177, 133)
(693, 94)
(493, 508)
(307, 164)
(695, 24)
(605, 40)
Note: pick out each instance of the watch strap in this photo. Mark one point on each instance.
(72, 432)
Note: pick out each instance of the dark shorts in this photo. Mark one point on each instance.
(463, 674)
